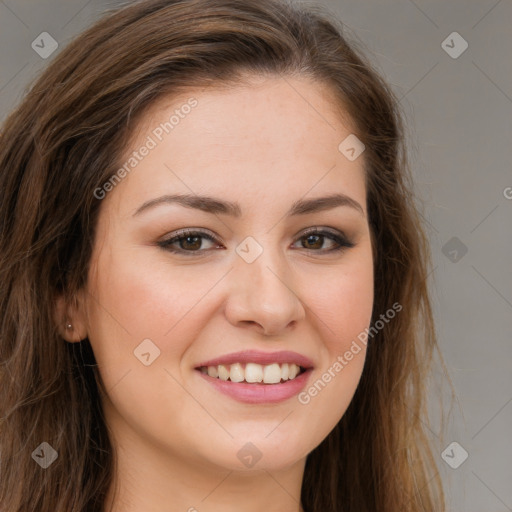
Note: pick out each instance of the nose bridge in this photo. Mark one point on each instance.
(263, 291)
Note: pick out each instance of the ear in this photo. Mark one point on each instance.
(70, 318)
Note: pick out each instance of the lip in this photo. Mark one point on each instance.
(258, 357)
(259, 393)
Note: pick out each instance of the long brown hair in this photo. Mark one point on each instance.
(65, 140)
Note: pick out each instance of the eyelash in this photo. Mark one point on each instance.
(338, 237)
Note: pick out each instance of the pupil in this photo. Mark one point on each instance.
(186, 240)
(309, 237)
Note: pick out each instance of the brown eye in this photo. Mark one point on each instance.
(187, 242)
(314, 241)
(190, 242)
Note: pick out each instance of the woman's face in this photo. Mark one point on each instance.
(264, 274)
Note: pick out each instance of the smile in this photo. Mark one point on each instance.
(254, 373)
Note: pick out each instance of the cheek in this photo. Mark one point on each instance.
(343, 308)
(137, 298)
(343, 302)
(352, 304)
(133, 301)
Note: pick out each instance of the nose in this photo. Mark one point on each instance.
(263, 296)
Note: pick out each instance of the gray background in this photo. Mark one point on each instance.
(459, 118)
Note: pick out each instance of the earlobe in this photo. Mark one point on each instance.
(70, 319)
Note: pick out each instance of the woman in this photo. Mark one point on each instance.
(213, 273)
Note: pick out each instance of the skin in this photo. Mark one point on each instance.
(265, 144)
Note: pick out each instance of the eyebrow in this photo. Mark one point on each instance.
(217, 206)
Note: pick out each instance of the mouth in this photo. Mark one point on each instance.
(254, 373)
(255, 377)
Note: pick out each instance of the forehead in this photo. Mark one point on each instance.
(270, 135)
(278, 110)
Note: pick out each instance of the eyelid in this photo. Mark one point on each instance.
(191, 232)
(183, 233)
(323, 230)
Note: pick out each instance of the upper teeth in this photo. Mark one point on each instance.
(269, 374)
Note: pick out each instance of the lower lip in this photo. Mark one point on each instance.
(259, 393)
